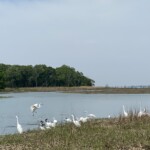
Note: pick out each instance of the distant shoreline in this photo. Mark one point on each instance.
(83, 89)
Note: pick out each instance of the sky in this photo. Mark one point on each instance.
(106, 40)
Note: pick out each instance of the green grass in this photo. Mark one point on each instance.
(101, 134)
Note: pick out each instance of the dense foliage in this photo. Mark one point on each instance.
(41, 75)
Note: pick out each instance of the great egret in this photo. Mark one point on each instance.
(109, 116)
(83, 119)
(54, 120)
(53, 124)
(34, 107)
(76, 122)
(19, 127)
(141, 113)
(68, 120)
(91, 116)
(42, 125)
(48, 124)
(124, 112)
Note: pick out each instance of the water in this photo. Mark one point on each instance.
(61, 105)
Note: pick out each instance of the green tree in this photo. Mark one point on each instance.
(2, 80)
(13, 76)
(41, 75)
(68, 76)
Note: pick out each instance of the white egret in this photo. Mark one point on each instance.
(54, 120)
(141, 113)
(83, 119)
(124, 112)
(53, 124)
(109, 116)
(19, 127)
(91, 116)
(48, 124)
(68, 120)
(34, 107)
(76, 122)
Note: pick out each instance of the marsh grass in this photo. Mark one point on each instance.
(124, 133)
(81, 89)
(1, 97)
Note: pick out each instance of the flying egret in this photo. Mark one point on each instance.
(34, 107)
(124, 112)
(19, 127)
(76, 122)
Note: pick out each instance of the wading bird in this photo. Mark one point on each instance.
(19, 127)
(90, 116)
(34, 107)
(141, 113)
(83, 119)
(76, 122)
(42, 125)
(68, 120)
(124, 112)
(48, 124)
(53, 124)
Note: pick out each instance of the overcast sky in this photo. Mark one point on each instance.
(107, 40)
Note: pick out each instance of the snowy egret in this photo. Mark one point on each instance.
(19, 127)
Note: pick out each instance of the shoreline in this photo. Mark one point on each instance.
(81, 90)
(130, 133)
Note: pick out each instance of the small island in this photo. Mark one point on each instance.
(16, 76)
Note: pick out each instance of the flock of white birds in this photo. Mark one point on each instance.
(139, 114)
(46, 124)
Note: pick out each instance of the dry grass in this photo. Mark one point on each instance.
(82, 89)
(131, 133)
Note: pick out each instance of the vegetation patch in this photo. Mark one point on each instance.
(15, 76)
(5, 96)
(122, 133)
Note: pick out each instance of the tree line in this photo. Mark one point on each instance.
(41, 76)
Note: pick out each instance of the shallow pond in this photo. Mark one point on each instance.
(61, 105)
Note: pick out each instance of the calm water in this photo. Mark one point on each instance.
(61, 105)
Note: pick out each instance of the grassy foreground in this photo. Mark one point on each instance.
(132, 133)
